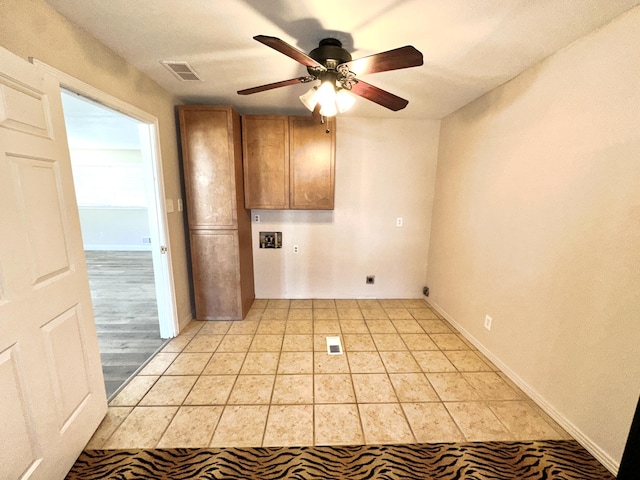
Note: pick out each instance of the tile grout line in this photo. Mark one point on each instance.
(273, 387)
(364, 439)
(314, 353)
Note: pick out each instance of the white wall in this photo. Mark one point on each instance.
(112, 198)
(536, 222)
(384, 169)
(114, 228)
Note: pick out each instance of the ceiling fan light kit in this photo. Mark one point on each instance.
(333, 66)
(330, 99)
(326, 97)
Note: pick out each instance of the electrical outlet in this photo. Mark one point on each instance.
(256, 218)
(180, 207)
(487, 322)
(399, 222)
(296, 249)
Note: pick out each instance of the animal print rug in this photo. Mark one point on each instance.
(555, 460)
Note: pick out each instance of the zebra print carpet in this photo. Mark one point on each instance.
(557, 460)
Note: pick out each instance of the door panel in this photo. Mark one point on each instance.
(209, 167)
(63, 347)
(265, 144)
(311, 157)
(216, 274)
(52, 395)
(23, 108)
(36, 189)
(22, 452)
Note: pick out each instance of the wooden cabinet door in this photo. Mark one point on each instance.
(216, 274)
(311, 163)
(265, 143)
(209, 166)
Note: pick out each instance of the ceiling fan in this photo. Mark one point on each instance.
(333, 66)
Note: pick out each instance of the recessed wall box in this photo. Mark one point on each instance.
(270, 239)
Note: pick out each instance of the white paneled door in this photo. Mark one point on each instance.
(52, 394)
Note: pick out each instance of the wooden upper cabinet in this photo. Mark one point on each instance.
(213, 179)
(311, 163)
(265, 143)
(288, 162)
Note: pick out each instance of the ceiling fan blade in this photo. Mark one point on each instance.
(270, 86)
(379, 96)
(403, 57)
(288, 50)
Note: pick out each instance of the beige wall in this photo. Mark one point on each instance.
(385, 169)
(31, 28)
(536, 222)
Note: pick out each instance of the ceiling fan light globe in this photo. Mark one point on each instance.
(344, 100)
(326, 93)
(329, 109)
(309, 99)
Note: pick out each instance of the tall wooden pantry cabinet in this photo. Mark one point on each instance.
(219, 225)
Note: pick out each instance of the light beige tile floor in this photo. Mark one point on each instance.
(406, 376)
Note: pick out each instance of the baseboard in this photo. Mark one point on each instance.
(594, 449)
(184, 321)
(343, 297)
(118, 248)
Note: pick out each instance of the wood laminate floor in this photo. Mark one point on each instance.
(126, 312)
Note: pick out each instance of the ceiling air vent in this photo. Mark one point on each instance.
(182, 71)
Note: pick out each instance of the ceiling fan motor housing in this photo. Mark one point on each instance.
(330, 54)
(331, 64)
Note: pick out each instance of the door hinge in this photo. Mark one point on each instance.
(163, 249)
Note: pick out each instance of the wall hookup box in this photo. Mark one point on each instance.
(270, 239)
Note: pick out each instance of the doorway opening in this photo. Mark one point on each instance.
(116, 192)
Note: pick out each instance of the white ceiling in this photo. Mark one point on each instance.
(469, 46)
